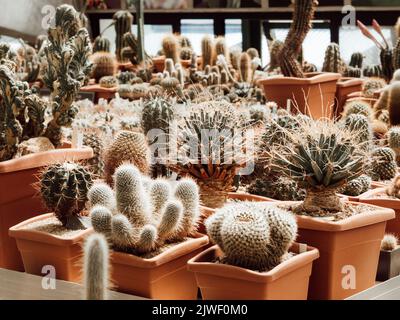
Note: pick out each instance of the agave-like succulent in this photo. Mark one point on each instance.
(322, 158)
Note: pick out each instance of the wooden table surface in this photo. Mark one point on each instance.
(388, 290)
(23, 286)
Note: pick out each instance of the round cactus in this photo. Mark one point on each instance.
(101, 44)
(384, 166)
(389, 242)
(108, 82)
(357, 186)
(361, 127)
(104, 64)
(357, 107)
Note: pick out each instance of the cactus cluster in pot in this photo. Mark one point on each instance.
(141, 215)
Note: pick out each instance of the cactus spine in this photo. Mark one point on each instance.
(123, 21)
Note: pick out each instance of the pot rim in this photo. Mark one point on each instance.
(357, 221)
(369, 198)
(313, 79)
(345, 82)
(19, 233)
(99, 89)
(41, 159)
(173, 253)
(234, 272)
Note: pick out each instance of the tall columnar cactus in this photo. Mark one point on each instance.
(356, 60)
(101, 44)
(64, 188)
(390, 100)
(123, 21)
(96, 164)
(252, 235)
(127, 147)
(142, 215)
(303, 14)
(135, 50)
(140, 30)
(322, 157)
(104, 64)
(67, 68)
(171, 48)
(222, 48)
(96, 267)
(207, 51)
(333, 61)
(384, 166)
(274, 52)
(245, 68)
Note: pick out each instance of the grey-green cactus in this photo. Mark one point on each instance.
(64, 188)
(356, 60)
(333, 61)
(96, 164)
(101, 44)
(157, 114)
(357, 186)
(122, 22)
(383, 165)
(360, 126)
(357, 107)
(374, 71)
(255, 236)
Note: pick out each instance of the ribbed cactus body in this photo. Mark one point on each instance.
(101, 44)
(357, 107)
(333, 61)
(245, 67)
(386, 56)
(357, 186)
(373, 71)
(360, 126)
(356, 60)
(207, 51)
(384, 165)
(96, 164)
(390, 100)
(372, 85)
(104, 64)
(396, 55)
(171, 48)
(123, 23)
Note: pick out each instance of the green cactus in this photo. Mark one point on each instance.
(357, 107)
(372, 85)
(157, 114)
(356, 60)
(383, 165)
(101, 44)
(96, 267)
(360, 126)
(64, 189)
(252, 235)
(123, 21)
(144, 221)
(357, 186)
(96, 164)
(394, 141)
(278, 188)
(374, 71)
(333, 62)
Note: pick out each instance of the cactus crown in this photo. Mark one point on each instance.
(140, 215)
(252, 235)
(389, 242)
(157, 113)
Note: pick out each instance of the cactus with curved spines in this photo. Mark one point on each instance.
(123, 21)
(322, 157)
(245, 68)
(96, 267)
(333, 61)
(67, 68)
(108, 82)
(389, 100)
(171, 48)
(360, 126)
(301, 25)
(357, 107)
(394, 140)
(64, 188)
(373, 71)
(186, 53)
(357, 186)
(221, 121)
(142, 219)
(128, 147)
(356, 60)
(101, 44)
(389, 242)
(384, 166)
(252, 235)
(157, 114)
(372, 85)
(207, 51)
(96, 164)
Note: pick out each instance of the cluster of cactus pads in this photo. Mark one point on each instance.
(140, 215)
(252, 235)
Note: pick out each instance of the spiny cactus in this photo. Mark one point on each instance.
(157, 114)
(372, 85)
(396, 55)
(274, 52)
(108, 82)
(394, 188)
(96, 164)
(101, 44)
(394, 140)
(30, 62)
(279, 188)
(222, 48)
(357, 107)
(171, 48)
(245, 67)
(333, 62)
(322, 157)
(352, 72)
(359, 125)
(373, 71)
(356, 60)
(123, 21)
(126, 77)
(96, 267)
(301, 25)
(390, 100)
(357, 186)
(148, 213)
(389, 242)
(207, 51)
(64, 188)
(384, 165)
(128, 147)
(104, 64)
(252, 235)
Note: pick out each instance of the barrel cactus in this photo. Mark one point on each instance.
(384, 166)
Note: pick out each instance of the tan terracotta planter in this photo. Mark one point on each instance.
(18, 200)
(370, 197)
(159, 64)
(126, 66)
(359, 96)
(206, 212)
(350, 243)
(164, 277)
(313, 95)
(100, 92)
(344, 87)
(39, 249)
(287, 281)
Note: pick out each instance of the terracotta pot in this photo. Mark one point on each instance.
(389, 265)
(39, 249)
(18, 200)
(356, 96)
(313, 95)
(206, 212)
(287, 281)
(370, 197)
(126, 66)
(100, 92)
(344, 87)
(159, 64)
(352, 243)
(163, 277)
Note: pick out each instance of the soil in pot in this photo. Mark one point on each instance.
(43, 241)
(159, 275)
(349, 245)
(289, 280)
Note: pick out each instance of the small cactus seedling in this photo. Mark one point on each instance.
(389, 242)
(255, 236)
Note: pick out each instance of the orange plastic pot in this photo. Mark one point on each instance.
(370, 197)
(313, 95)
(18, 197)
(344, 87)
(164, 277)
(39, 249)
(207, 212)
(287, 281)
(349, 250)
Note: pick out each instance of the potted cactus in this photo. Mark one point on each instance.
(323, 157)
(56, 238)
(151, 227)
(28, 143)
(255, 256)
(389, 258)
(304, 90)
